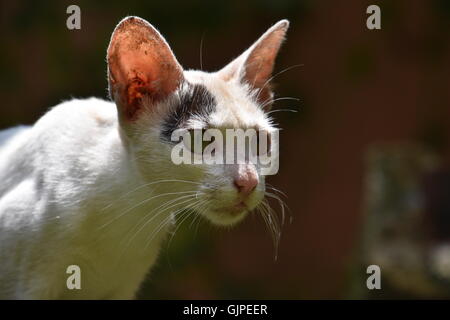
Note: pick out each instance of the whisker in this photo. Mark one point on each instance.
(141, 203)
(280, 202)
(201, 211)
(164, 223)
(271, 187)
(274, 232)
(270, 217)
(194, 220)
(198, 217)
(276, 75)
(281, 110)
(166, 206)
(201, 51)
(278, 99)
(190, 212)
(146, 185)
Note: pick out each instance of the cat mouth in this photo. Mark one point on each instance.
(229, 214)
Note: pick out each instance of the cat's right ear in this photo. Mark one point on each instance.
(142, 70)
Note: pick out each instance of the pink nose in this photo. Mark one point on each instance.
(246, 183)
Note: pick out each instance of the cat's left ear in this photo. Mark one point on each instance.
(254, 67)
(142, 68)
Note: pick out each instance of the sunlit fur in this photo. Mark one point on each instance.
(80, 189)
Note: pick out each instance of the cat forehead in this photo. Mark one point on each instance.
(234, 105)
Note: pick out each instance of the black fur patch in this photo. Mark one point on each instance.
(195, 101)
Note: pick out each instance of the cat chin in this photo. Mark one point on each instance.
(225, 218)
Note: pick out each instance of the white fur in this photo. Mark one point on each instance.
(58, 177)
(77, 188)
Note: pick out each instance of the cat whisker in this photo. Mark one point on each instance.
(194, 220)
(271, 223)
(146, 185)
(164, 207)
(190, 212)
(271, 187)
(198, 218)
(141, 203)
(270, 217)
(201, 51)
(282, 110)
(280, 202)
(164, 223)
(199, 215)
(276, 75)
(278, 99)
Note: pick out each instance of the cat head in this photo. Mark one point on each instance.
(155, 97)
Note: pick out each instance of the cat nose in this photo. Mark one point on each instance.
(246, 183)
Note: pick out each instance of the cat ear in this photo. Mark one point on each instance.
(140, 65)
(254, 67)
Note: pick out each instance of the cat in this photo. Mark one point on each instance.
(92, 184)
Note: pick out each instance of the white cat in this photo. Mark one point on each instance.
(92, 183)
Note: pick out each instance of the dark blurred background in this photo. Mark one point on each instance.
(357, 87)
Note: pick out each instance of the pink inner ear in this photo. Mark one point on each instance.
(140, 64)
(256, 64)
(257, 74)
(139, 77)
(259, 65)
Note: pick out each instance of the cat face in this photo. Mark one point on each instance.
(155, 97)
